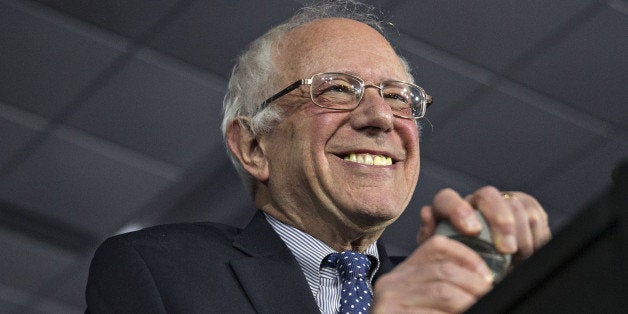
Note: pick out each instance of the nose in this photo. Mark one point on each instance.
(373, 112)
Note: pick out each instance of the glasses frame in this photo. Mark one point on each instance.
(426, 99)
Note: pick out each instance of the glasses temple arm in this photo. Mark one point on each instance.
(284, 91)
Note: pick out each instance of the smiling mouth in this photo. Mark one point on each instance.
(369, 159)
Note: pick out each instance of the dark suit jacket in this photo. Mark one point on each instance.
(200, 268)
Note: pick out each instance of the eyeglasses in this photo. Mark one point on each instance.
(341, 91)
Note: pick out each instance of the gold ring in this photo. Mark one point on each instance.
(508, 195)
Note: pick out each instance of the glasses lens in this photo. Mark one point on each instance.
(336, 90)
(404, 99)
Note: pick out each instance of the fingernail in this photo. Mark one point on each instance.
(490, 277)
(507, 243)
(486, 273)
(471, 222)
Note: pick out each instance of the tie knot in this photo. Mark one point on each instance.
(350, 264)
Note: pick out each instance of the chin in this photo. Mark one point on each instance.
(379, 217)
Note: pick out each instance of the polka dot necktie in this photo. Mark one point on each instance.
(353, 268)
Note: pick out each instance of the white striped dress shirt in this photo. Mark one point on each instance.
(309, 252)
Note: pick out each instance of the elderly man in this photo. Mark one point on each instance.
(322, 122)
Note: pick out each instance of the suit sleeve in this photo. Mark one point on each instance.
(120, 281)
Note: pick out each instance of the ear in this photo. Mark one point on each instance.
(246, 147)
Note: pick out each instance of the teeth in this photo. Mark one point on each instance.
(368, 159)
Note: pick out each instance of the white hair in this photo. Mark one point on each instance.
(254, 76)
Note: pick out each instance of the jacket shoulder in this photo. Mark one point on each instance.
(145, 270)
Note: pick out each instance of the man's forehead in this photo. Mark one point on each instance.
(336, 44)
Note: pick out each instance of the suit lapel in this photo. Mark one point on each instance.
(270, 275)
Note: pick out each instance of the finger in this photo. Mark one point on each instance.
(442, 274)
(454, 276)
(499, 216)
(442, 296)
(449, 205)
(470, 282)
(439, 249)
(525, 242)
(428, 224)
(537, 219)
(430, 297)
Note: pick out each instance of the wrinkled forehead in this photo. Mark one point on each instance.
(337, 44)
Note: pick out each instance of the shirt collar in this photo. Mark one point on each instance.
(310, 251)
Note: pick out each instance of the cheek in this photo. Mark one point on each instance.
(301, 138)
(280, 142)
(409, 132)
(319, 125)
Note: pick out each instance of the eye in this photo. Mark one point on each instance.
(336, 87)
(397, 101)
(335, 94)
(396, 97)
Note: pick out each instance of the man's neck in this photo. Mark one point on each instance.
(340, 237)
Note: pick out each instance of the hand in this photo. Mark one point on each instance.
(518, 223)
(442, 275)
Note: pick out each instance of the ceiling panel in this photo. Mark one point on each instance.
(69, 289)
(44, 65)
(14, 137)
(489, 33)
(18, 301)
(165, 110)
(127, 18)
(505, 141)
(219, 189)
(28, 264)
(446, 86)
(46, 307)
(206, 35)
(70, 182)
(579, 182)
(8, 299)
(597, 50)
